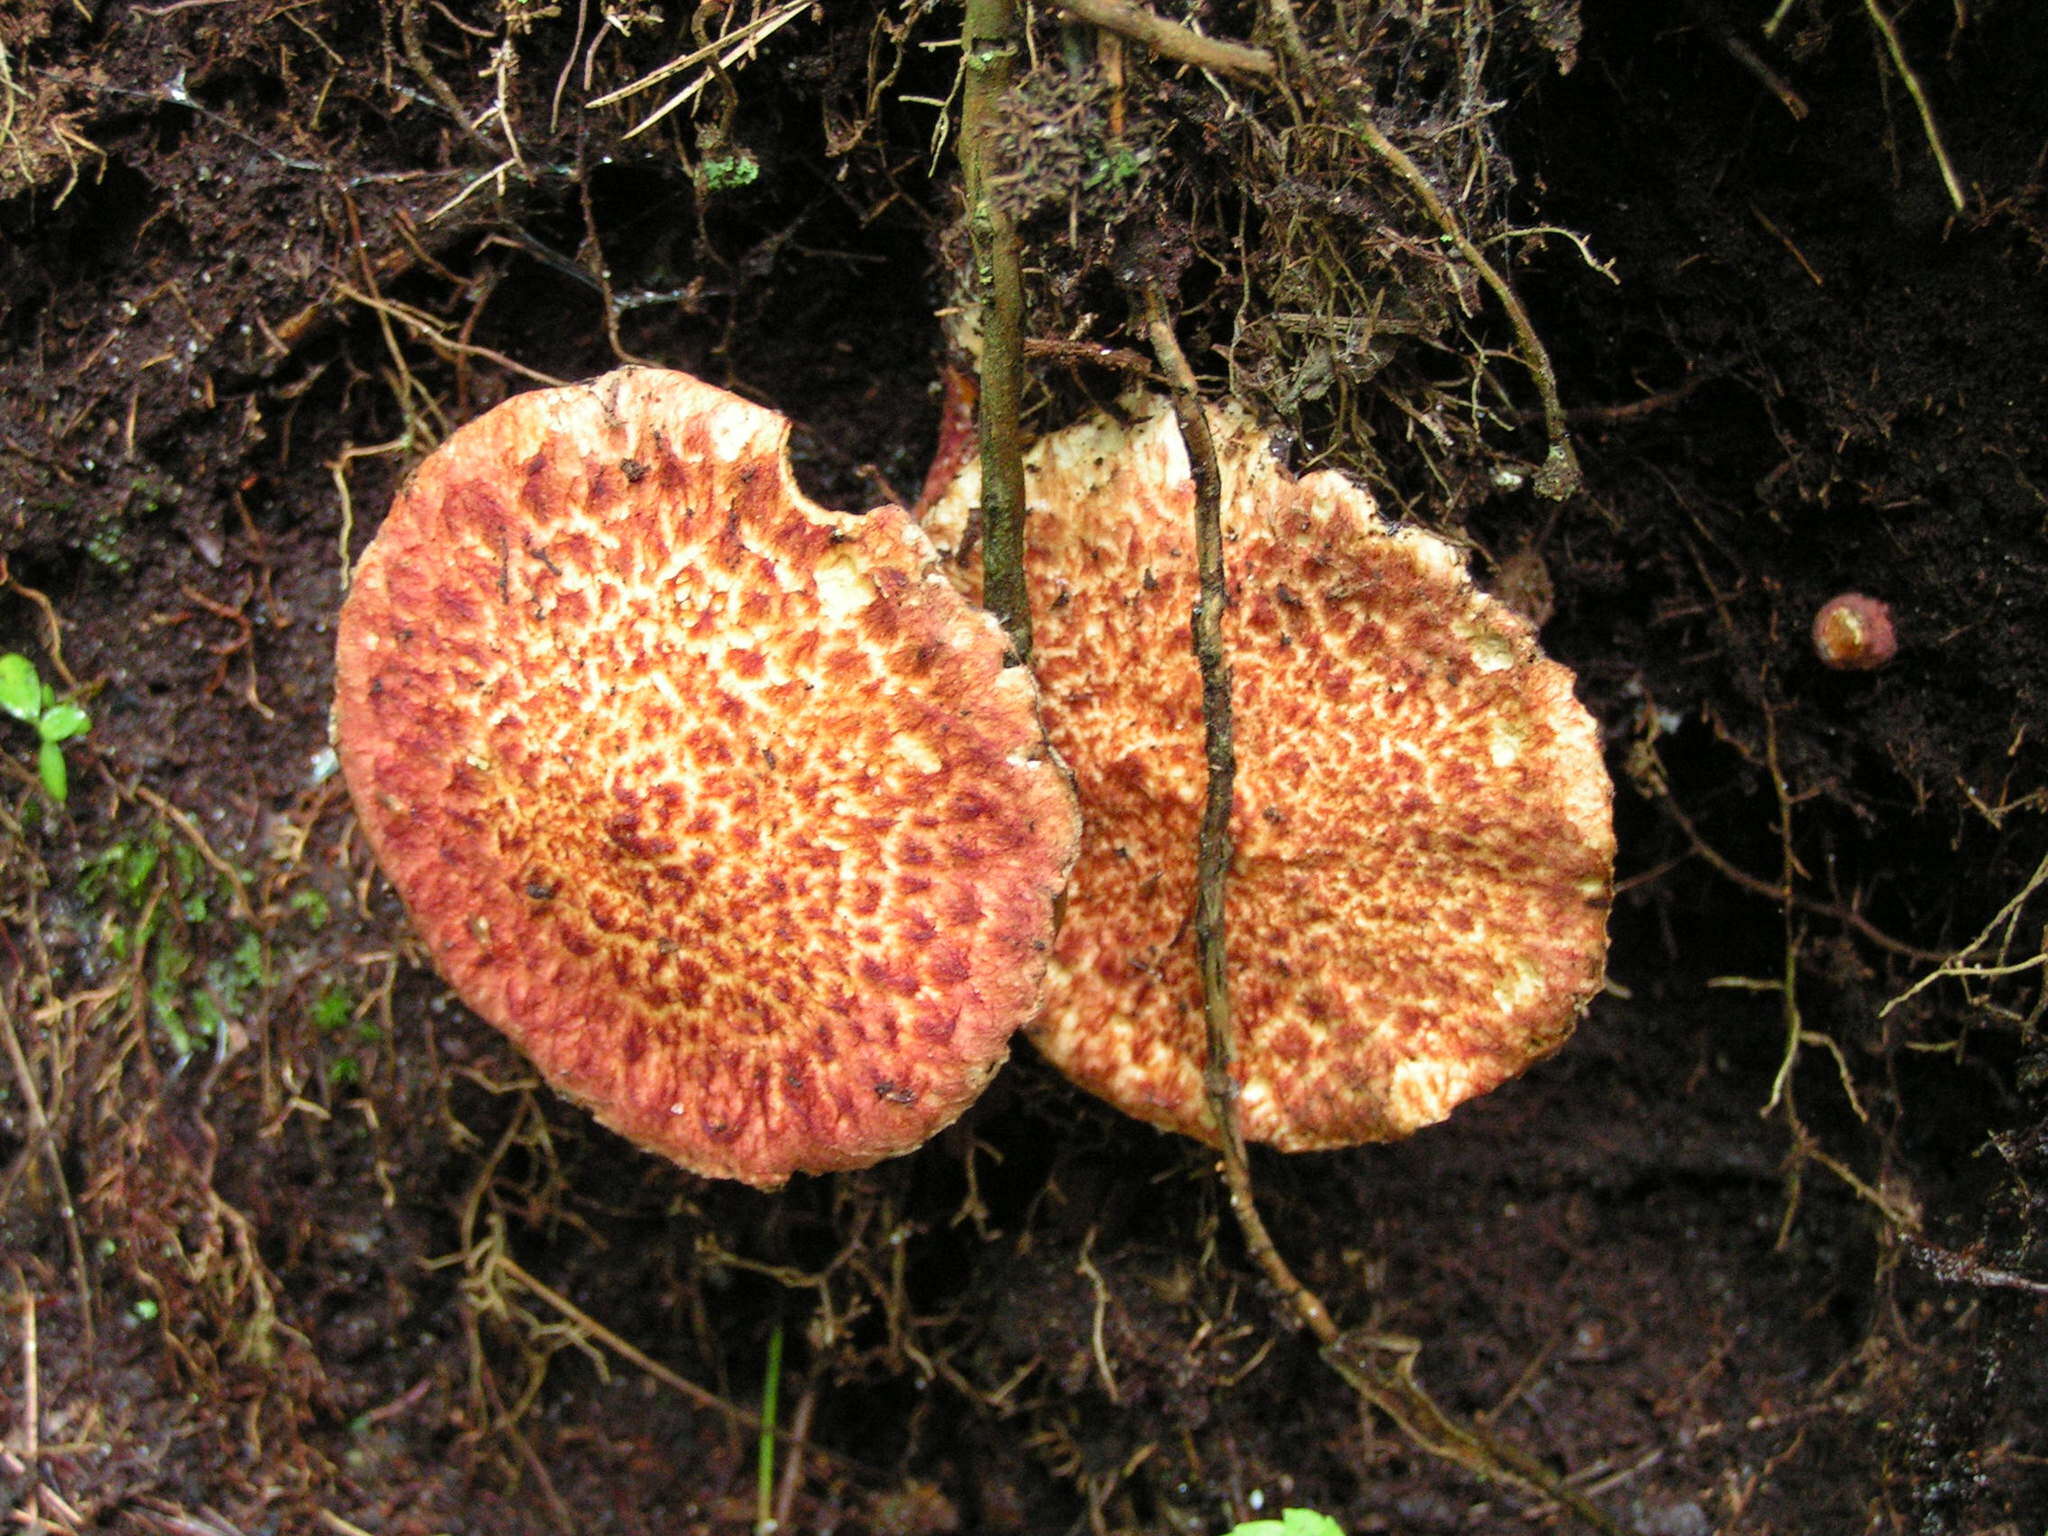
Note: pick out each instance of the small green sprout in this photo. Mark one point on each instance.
(1292, 1522)
(332, 1010)
(24, 695)
(311, 905)
(728, 173)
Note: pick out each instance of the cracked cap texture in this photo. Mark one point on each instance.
(724, 807)
(1423, 823)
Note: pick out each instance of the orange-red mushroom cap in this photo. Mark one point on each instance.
(724, 807)
(1424, 841)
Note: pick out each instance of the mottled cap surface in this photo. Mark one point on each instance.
(723, 806)
(1424, 839)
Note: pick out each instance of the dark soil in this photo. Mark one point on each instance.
(289, 1241)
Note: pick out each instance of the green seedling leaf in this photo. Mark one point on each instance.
(61, 722)
(1292, 1522)
(248, 961)
(21, 691)
(56, 777)
(332, 1010)
(311, 905)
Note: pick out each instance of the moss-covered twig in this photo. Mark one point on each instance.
(990, 43)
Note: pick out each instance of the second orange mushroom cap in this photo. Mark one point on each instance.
(1423, 822)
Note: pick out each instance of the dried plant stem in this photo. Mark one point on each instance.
(1559, 476)
(990, 43)
(510, 1269)
(1169, 39)
(1379, 1370)
(797, 1441)
(1892, 46)
(45, 1137)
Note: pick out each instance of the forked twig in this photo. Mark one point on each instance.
(414, 45)
(1964, 964)
(1651, 779)
(674, 1380)
(720, 54)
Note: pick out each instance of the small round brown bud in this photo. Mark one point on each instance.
(1853, 633)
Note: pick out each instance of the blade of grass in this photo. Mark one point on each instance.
(764, 1468)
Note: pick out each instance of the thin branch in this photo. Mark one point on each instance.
(1962, 1268)
(1961, 963)
(1213, 850)
(1708, 15)
(42, 1132)
(435, 333)
(676, 1382)
(733, 43)
(1789, 871)
(1385, 1380)
(1171, 40)
(1773, 82)
(990, 43)
(1559, 476)
(1736, 875)
(717, 63)
(1382, 1371)
(1074, 353)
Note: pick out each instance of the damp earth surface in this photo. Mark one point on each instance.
(291, 1241)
